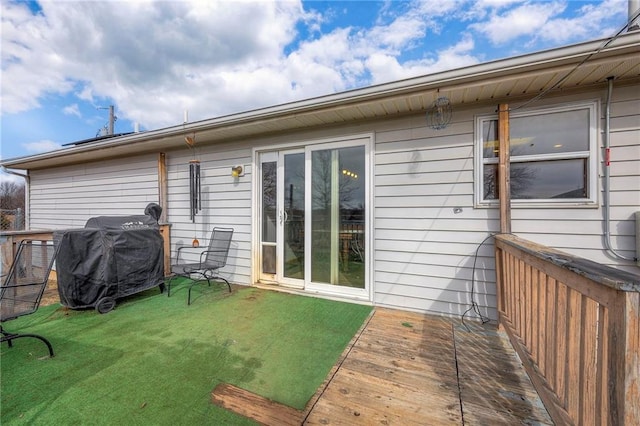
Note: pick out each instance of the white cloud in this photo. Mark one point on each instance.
(523, 20)
(41, 146)
(589, 23)
(545, 21)
(154, 59)
(72, 109)
(386, 68)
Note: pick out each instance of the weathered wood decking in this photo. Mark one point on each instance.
(407, 368)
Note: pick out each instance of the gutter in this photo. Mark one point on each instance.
(11, 172)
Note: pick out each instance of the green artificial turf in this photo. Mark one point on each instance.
(155, 360)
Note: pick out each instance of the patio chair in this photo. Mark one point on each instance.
(24, 284)
(211, 260)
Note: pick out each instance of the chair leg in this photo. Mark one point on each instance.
(10, 337)
(169, 285)
(6, 336)
(214, 276)
(228, 285)
(209, 282)
(189, 293)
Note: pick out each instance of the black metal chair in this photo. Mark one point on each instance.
(22, 289)
(211, 260)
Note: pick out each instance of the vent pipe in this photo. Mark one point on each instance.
(112, 120)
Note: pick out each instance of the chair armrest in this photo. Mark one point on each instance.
(205, 252)
(179, 250)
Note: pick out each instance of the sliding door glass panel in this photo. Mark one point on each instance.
(338, 216)
(293, 215)
(269, 217)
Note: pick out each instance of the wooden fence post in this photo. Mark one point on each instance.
(504, 169)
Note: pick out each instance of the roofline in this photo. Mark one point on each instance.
(557, 57)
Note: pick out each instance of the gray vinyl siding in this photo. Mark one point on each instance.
(424, 252)
(579, 231)
(424, 246)
(65, 197)
(425, 229)
(226, 202)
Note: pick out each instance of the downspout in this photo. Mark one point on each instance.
(607, 164)
(27, 182)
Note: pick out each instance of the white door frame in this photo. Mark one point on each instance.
(367, 140)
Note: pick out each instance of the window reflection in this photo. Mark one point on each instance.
(537, 144)
(540, 180)
(338, 216)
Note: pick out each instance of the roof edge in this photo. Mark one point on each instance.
(561, 56)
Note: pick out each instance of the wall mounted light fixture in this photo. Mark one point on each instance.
(237, 171)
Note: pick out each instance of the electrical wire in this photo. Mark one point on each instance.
(591, 55)
(474, 305)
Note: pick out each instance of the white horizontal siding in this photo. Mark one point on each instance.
(66, 197)
(226, 202)
(425, 228)
(423, 248)
(580, 231)
(424, 251)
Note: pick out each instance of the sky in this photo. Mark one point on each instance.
(65, 62)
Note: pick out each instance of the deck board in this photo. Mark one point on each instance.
(409, 368)
(412, 369)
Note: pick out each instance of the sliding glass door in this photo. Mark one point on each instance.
(313, 210)
(338, 212)
(282, 217)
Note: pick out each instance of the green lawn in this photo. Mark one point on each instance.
(155, 360)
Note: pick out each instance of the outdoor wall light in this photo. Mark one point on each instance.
(237, 171)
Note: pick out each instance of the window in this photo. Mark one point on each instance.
(553, 156)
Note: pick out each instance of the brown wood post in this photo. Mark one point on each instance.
(504, 185)
(631, 389)
(162, 185)
(165, 231)
(7, 252)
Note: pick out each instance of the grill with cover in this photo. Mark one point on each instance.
(112, 257)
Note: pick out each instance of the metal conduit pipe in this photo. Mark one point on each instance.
(607, 164)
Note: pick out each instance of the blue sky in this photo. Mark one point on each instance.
(63, 60)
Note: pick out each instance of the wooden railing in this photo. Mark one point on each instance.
(576, 326)
(10, 240)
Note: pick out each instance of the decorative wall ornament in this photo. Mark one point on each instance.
(439, 115)
(195, 189)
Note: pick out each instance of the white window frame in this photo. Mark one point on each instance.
(591, 155)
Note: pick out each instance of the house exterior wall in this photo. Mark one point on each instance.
(65, 197)
(426, 228)
(226, 202)
(579, 231)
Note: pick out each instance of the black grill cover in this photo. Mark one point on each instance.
(113, 256)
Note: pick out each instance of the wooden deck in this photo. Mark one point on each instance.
(406, 368)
